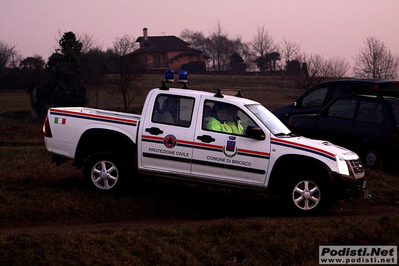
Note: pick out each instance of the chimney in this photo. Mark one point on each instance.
(145, 34)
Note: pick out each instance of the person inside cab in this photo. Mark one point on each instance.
(218, 122)
(234, 121)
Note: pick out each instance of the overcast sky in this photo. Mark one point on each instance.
(326, 27)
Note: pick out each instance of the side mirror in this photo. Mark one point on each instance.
(255, 133)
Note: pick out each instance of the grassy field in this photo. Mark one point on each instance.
(270, 91)
(166, 222)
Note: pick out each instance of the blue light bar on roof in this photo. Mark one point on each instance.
(169, 76)
(183, 76)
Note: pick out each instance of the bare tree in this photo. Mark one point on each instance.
(376, 61)
(262, 44)
(89, 42)
(5, 53)
(244, 50)
(311, 69)
(218, 45)
(289, 50)
(94, 64)
(338, 67)
(196, 39)
(128, 68)
(9, 56)
(314, 70)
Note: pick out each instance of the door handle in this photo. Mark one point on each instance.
(206, 138)
(154, 131)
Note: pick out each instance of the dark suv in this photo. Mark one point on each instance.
(369, 125)
(318, 96)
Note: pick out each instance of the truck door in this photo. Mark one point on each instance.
(165, 133)
(225, 156)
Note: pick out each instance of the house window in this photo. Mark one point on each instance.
(157, 61)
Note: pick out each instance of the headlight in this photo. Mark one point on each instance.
(342, 166)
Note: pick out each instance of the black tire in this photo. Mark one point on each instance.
(105, 171)
(307, 194)
(371, 159)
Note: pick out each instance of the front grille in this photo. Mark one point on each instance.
(356, 167)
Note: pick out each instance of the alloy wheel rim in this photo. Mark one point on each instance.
(104, 175)
(306, 195)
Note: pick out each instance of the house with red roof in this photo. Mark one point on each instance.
(168, 52)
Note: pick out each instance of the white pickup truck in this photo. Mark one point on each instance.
(174, 138)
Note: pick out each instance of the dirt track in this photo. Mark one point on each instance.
(145, 224)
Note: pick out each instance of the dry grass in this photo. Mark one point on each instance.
(12, 101)
(227, 242)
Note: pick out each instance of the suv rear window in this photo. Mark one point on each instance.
(389, 89)
(389, 86)
(370, 112)
(395, 108)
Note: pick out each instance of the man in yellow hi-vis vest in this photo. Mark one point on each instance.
(234, 122)
(218, 121)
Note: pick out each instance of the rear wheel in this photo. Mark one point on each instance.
(371, 159)
(105, 171)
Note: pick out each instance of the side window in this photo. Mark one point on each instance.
(225, 118)
(173, 110)
(343, 108)
(369, 112)
(341, 89)
(395, 108)
(315, 98)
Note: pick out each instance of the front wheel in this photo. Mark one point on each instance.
(307, 195)
(104, 171)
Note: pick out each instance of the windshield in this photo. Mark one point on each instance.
(275, 126)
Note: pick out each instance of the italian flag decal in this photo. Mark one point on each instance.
(58, 120)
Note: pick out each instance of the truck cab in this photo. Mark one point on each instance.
(174, 138)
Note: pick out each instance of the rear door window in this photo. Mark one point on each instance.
(343, 108)
(173, 110)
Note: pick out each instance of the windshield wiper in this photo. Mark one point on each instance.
(286, 135)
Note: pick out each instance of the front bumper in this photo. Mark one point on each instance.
(349, 186)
